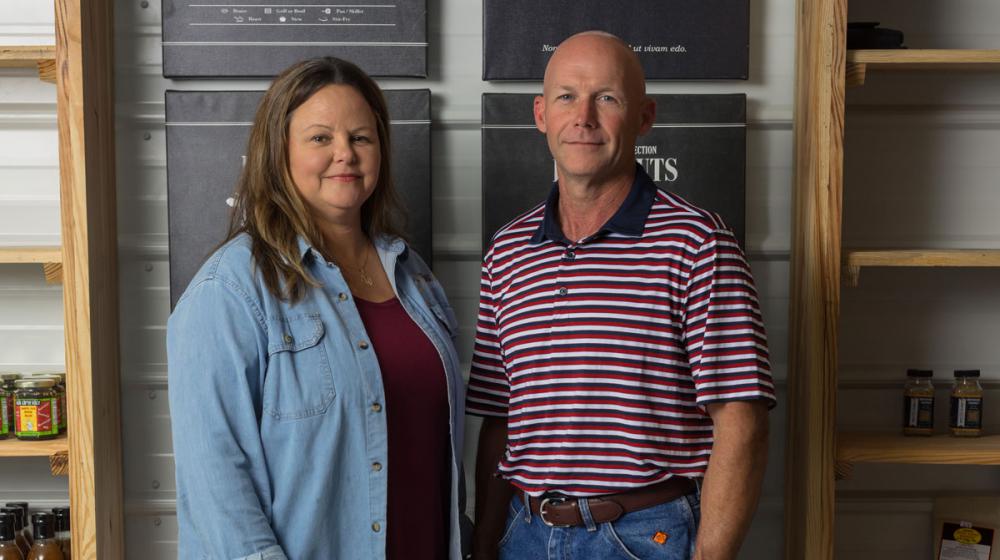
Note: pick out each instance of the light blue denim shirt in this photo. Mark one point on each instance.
(277, 410)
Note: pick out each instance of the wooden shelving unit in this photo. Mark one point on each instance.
(815, 452)
(855, 260)
(88, 261)
(56, 450)
(42, 57)
(859, 62)
(867, 447)
(49, 257)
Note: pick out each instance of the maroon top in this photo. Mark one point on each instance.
(416, 406)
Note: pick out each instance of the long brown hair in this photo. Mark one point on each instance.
(268, 206)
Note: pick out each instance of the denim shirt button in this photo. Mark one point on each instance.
(363, 345)
(376, 407)
(288, 339)
(376, 467)
(376, 527)
(342, 296)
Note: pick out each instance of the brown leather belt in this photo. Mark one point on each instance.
(564, 511)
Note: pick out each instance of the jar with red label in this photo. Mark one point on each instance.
(36, 409)
(60, 389)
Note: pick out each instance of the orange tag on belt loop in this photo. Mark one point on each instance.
(660, 537)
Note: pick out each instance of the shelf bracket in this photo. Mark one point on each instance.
(851, 273)
(855, 75)
(842, 470)
(47, 70)
(59, 463)
(53, 273)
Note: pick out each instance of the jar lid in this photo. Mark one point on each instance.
(966, 373)
(36, 383)
(920, 373)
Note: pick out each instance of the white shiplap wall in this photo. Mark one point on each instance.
(28, 205)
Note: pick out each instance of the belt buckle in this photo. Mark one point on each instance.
(541, 511)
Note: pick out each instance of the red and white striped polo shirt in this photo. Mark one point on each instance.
(602, 354)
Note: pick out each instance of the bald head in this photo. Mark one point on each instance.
(602, 48)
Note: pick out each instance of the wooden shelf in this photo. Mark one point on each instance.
(56, 450)
(49, 257)
(42, 57)
(855, 260)
(860, 61)
(866, 447)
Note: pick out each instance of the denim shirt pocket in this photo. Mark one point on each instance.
(298, 382)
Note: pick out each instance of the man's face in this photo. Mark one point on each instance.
(592, 110)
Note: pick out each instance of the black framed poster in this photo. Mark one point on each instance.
(696, 149)
(675, 39)
(229, 38)
(207, 132)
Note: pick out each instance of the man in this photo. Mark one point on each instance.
(619, 345)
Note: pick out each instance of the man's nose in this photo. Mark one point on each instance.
(586, 114)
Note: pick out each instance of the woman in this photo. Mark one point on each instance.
(314, 387)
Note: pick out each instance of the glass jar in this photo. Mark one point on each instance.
(7, 403)
(918, 403)
(966, 419)
(60, 389)
(36, 409)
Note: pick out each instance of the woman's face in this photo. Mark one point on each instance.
(333, 153)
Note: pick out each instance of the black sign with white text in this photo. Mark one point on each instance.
(229, 38)
(696, 149)
(675, 39)
(207, 133)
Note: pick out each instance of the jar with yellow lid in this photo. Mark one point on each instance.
(36, 409)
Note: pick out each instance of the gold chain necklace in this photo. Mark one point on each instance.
(364, 275)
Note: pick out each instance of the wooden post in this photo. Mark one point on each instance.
(815, 279)
(85, 99)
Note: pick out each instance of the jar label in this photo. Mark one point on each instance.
(966, 412)
(36, 417)
(6, 412)
(918, 412)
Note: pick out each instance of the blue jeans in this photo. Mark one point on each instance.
(664, 532)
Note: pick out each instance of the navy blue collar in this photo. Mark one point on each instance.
(629, 220)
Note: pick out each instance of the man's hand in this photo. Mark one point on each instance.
(492, 493)
(733, 481)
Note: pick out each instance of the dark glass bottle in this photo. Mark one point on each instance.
(8, 546)
(22, 543)
(25, 528)
(62, 530)
(46, 547)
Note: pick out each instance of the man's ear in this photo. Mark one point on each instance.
(647, 115)
(539, 111)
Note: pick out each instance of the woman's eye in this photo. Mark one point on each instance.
(322, 138)
(360, 139)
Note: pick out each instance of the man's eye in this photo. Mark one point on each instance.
(565, 97)
(607, 99)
